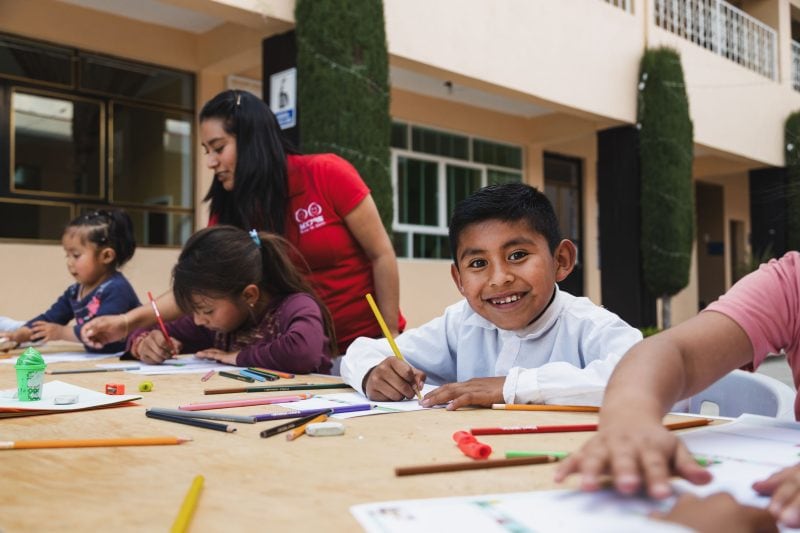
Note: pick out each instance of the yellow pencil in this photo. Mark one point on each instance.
(187, 508)
(546, 407)
(300, 430)
(388, 334)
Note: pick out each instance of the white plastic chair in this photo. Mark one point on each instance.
(743, 392)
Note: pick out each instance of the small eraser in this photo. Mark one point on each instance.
(65, 399)
(325, 429)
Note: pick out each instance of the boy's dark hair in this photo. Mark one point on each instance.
(220, 261)
(509, 202)
(111, 228)
(260, 186)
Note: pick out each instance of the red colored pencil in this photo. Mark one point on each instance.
(161, 325)
(574, 427)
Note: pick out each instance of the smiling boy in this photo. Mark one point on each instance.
(515, 337)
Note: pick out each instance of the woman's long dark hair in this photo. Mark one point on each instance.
(219, 262)
(260, 186)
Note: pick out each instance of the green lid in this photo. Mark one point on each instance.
(30, 357)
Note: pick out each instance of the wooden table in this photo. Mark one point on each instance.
(250, 483)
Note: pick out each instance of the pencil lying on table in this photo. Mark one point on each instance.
(512, 430)
(243, 403)
(539, 407)
(207, 424)
(90, 443)
(472, 465)
(274, 388)
(187, 507)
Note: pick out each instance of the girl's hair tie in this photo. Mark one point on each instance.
(254, 235)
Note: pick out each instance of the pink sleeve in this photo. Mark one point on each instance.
(765, 305)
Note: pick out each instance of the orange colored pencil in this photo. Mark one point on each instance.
(90, 443)
(300, 430)
(539, 407)
(693, 423)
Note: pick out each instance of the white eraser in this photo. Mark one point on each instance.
(325, 429)
(65, 399)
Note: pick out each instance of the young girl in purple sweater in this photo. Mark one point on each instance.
(245, 304)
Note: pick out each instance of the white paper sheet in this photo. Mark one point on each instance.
(327, 401)
(87, 398)
(182, 365)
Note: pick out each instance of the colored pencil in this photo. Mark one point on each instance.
(514, 454)
(528, 407)
(186, 511)
(299, 431)
(274, 388)
(90, 370)
(190, 421)
(91, 443)
(161, 325)
(306, 412)
(254, 375)
(208, 375)
(243, 403)
(472, 465)
(512, 430)
(293, 424)
(280, 374)
(236, 376)
(388, 334)
(245, 419)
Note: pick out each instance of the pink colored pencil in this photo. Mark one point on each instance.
(243, 403)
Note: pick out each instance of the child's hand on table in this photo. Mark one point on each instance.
(476, 391)
(152, 348)
(48, 331)
(229, 358)
(784, 487)
(393, 380)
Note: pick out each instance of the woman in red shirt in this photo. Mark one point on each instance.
(317, 202)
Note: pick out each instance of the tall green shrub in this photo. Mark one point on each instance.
(792, 147)
(343, 88)
(665, 155)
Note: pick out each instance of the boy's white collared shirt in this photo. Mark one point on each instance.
(565, 356)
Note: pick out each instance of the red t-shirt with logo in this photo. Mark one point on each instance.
(323, 190)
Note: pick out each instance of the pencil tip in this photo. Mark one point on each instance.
(181, 440)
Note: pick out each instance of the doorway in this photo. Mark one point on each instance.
(710, 243)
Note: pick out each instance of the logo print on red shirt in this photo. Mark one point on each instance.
(309, 218)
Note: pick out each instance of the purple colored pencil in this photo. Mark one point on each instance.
(306, 412)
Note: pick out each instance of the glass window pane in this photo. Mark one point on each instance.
(56, 144)
(159, 228)
(136, 81)
(491, 153)
(431, 246)
(499, 177)
(399, 135)
(152, 157)
(417, 192)
(400, 240)
(34, 61)
(439, 143)
(461, 182)
(33, 221)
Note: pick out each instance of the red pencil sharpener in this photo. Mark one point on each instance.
(470, 446)
(115, 388)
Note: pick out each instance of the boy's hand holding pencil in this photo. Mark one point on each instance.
(393, 380)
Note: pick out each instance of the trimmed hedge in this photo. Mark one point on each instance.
(665, 154)
(343, 88)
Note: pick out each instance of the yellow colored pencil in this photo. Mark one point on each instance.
(538, 407)
(300, 430)
(388, 334)
(187, 508)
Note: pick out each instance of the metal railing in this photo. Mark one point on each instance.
(625, 5)
(723, 29)
(796, 65)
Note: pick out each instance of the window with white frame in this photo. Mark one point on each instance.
(432, 170)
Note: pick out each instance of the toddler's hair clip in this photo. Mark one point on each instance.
(254, 235)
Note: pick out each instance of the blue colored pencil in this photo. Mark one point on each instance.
(308, 412)
(257, 377)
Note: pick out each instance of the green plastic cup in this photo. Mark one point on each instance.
(30, 375)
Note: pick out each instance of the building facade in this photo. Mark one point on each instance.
(99, 100)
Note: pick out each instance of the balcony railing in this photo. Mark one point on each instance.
(723, 29)
(625, 5)
(796, 65)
